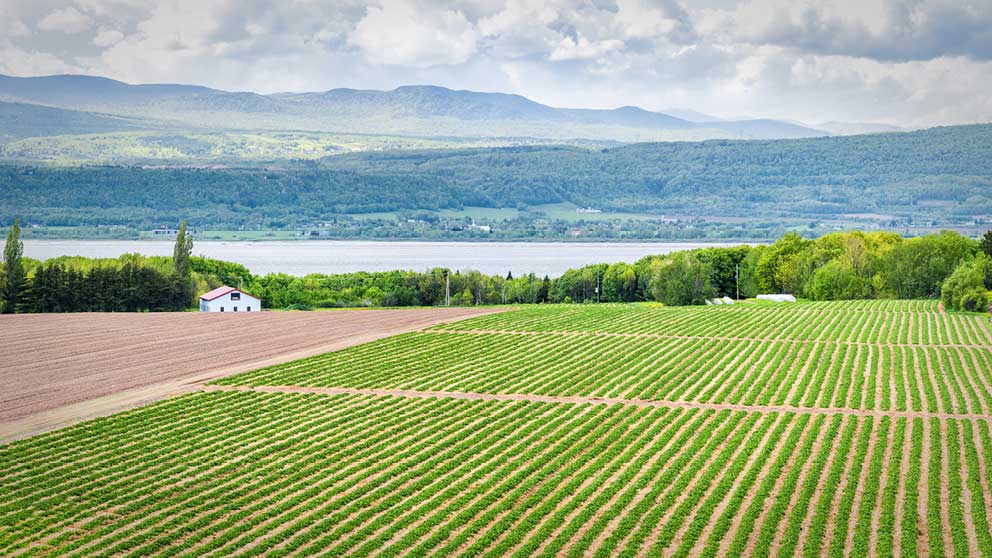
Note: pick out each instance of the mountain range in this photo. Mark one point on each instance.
(99, 105)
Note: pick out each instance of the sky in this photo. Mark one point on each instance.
(903, 62)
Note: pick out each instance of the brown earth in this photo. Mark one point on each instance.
(57, 369)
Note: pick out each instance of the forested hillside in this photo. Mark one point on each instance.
(942, 173)
(820, 176)
(18, 121)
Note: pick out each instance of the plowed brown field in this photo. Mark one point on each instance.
(53, 360)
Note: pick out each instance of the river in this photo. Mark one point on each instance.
(331, 256)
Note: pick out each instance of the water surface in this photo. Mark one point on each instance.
(332, 256)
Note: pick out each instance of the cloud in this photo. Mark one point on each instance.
(572, 49)
(107, 37)
(400, 32)
(889, 30)
(14, 28)
(516, 14)
(17, 61)
(67, 20)
(899, 61)
(642, 21)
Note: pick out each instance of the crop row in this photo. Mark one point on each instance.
(882, 322)
(800, 374)
(246, 474)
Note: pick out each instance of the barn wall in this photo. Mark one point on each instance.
(225, 301)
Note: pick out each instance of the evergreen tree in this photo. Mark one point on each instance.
(15, 275)
(985, 244)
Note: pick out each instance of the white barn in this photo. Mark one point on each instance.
(229, 299)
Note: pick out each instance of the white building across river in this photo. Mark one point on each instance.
(229, 299)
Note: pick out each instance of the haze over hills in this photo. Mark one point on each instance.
(416, 110)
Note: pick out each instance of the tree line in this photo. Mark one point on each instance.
(837, 266)
(132, 283)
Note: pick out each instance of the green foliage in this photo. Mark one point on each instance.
(129, 283)
(834, 281)
(181, 252)
(839, 266)
(619, 283)
(916, 267)
(54, 287)
(14, 274)
(843, 266)
(20, 120)
(985, 244)
(777, 269)
(941, 174)
(184, 286)
(682, 280)
(229, 273)
(967, 287)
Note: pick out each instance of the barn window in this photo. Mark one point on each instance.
(235, 296)
(221, 308)
(235, 308)
(248, 309)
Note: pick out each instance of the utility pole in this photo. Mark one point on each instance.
(597, 286)
(447, 289)
(737, 279)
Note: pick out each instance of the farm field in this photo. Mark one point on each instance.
(820, 430)
(53, 360)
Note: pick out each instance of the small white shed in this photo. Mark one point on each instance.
(229, 299)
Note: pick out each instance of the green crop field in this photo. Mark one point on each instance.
(810, 429)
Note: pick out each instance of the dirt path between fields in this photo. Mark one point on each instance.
(59, 369)
(598, 401)
(703, 338)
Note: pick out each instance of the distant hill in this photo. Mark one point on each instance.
(19, 121)
(692, 115)
(88, 92)
(416, 110)
(938, 174)
(854, 128)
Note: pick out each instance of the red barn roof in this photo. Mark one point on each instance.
(221, 291)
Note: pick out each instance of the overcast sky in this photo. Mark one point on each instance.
(915, 62)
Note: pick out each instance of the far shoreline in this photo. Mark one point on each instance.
(346, 256)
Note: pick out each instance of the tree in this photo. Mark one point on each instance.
(13, 251)
(619, 283)
(837, 281)
(916, 267)
(777, 268)
(180, 259)
(724, 262)
(182, 251)
(682, 280)
(985, 244)
(965, 288)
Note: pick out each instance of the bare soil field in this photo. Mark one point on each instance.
(54, 360)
